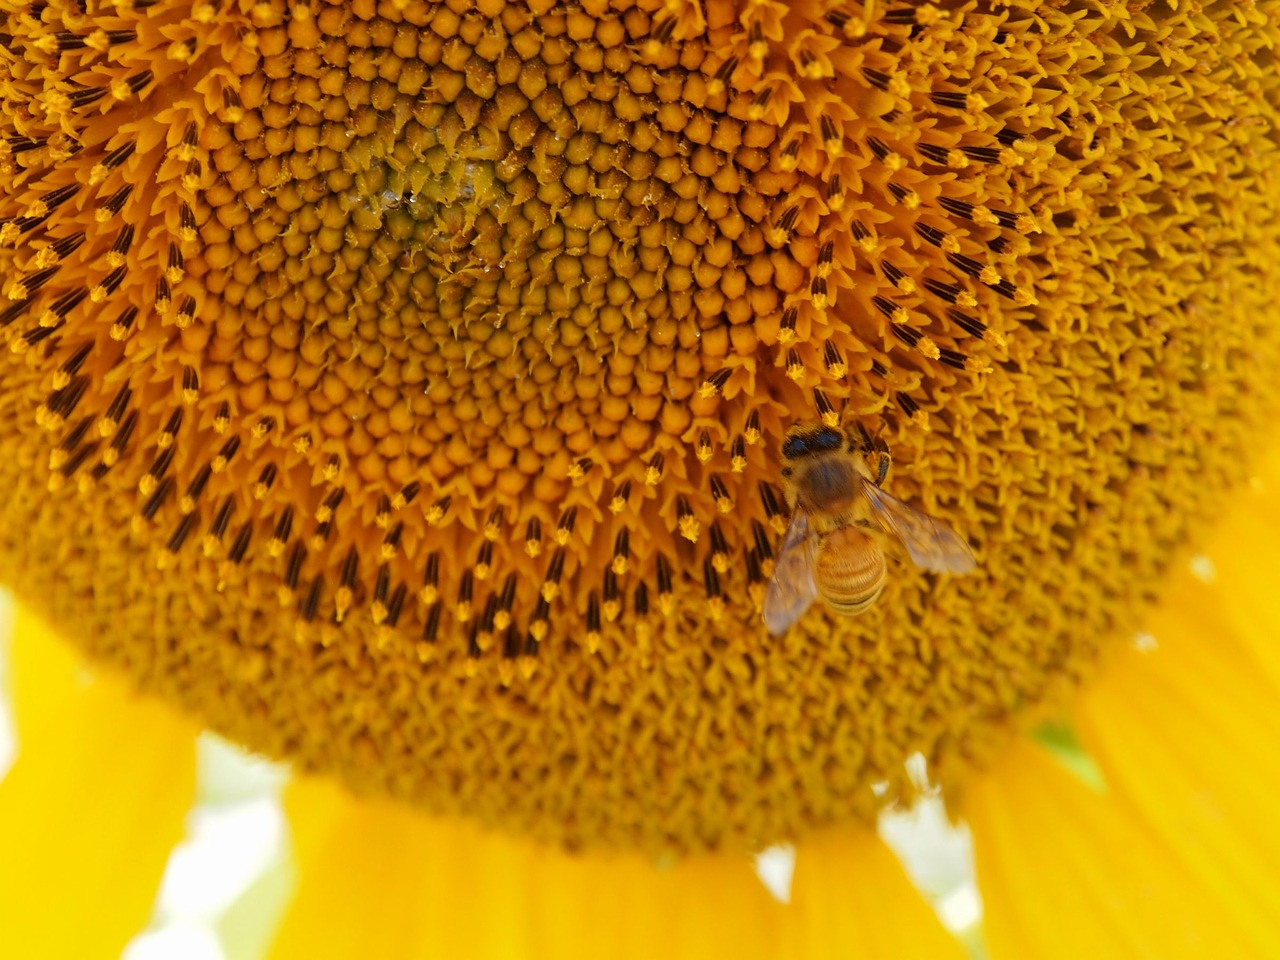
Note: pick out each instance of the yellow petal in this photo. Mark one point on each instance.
(1244, 553)
(853, 900)
(1067, 872)
(91, 808)
(47, 673)
(1186, 735)
(378, 880)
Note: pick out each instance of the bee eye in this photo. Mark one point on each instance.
(828, 439)
(795, 447)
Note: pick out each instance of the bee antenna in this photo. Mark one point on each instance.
(863, 441)
(873, 448)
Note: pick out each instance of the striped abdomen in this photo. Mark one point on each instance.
(850, 570)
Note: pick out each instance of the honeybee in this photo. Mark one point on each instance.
(839, 514)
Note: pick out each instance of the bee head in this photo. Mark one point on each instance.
(810, 439)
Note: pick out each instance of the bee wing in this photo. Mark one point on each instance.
(932, 544)
(792, 589)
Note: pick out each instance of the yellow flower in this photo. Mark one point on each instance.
(396, 386)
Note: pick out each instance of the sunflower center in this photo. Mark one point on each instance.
(528, 227)
(400, 384)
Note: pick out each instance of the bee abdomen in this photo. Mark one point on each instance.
(850, 570)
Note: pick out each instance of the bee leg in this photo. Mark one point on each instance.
(882, 459)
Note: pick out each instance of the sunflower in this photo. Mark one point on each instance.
(396, 387)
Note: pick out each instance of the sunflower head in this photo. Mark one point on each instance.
(398, 385)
